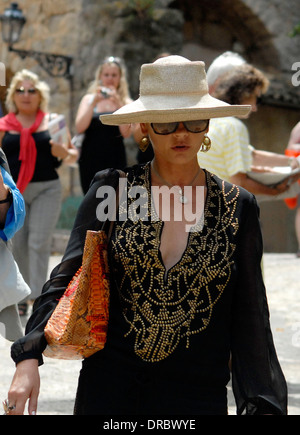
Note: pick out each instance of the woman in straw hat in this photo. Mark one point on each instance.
(186, 293)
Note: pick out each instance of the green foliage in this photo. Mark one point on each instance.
(143, 8)
(295, 31)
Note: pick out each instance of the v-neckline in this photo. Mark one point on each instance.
(198, 226)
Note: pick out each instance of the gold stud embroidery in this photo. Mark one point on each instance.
(160, 309)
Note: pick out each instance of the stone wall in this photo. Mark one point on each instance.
(88, 30)
(51, 27)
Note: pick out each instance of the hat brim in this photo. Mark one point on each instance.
(177, 108)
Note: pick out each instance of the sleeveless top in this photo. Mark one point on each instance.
(46, 163)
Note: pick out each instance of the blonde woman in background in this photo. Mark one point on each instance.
(33, 159)
(102, 146)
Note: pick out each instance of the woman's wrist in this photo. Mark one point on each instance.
(4, 192)
(293, 162)
(67, 156)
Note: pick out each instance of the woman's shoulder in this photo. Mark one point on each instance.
(87, 98)
(229, 123)
(108, 176)
(231, 193)
(137, 169)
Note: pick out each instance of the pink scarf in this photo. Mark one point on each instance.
(28, 151)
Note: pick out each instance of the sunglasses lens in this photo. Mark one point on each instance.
(196, 126)
(164, 127)
(23, 90)
(170, 127)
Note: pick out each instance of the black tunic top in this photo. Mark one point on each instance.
(170, 336)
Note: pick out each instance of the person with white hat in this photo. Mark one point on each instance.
(185, 295)
(221, 65)
(268, 175)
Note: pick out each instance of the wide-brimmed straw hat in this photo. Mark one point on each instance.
(173, 88)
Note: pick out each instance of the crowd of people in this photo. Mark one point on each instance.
(188, 309)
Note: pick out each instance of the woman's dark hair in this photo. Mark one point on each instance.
(240, 83)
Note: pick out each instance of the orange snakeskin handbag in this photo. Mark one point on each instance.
(77, 328)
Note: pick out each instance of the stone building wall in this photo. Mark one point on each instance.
(89, 30)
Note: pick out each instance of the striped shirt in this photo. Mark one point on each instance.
(230, 151)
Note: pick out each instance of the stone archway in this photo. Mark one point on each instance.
(213, 26)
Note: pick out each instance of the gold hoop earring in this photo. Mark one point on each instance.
(144, 143)
(206, 144)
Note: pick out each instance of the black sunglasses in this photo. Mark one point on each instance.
(164, 128)
(22, 90)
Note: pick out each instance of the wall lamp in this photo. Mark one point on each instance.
(13, 21)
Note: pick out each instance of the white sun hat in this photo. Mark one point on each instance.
(223, 64)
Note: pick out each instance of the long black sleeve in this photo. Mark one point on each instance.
(258, 382)
(33, 343)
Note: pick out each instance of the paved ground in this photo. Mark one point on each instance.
(282, 277)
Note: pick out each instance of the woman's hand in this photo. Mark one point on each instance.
(58, 150)
(295, 163)
(69, 154)
(114, 97)
(285, 185)
(25, 386)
